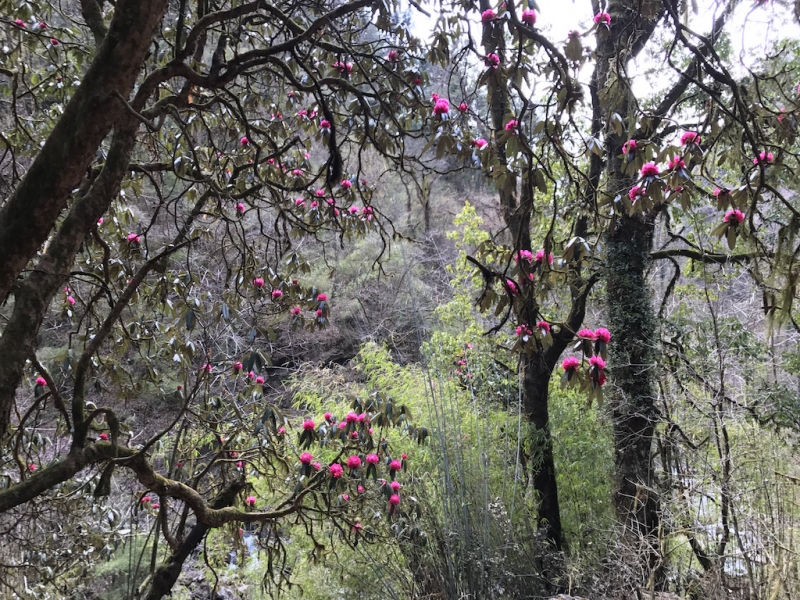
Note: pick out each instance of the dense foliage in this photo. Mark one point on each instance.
(238, 352)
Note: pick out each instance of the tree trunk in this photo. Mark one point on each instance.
(28, 216)
(535, 397)
(167, 574)
(632, 401)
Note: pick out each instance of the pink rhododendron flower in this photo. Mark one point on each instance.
(346, 497)
(629, 146)
(336, 470)
(351, 417)
(602, 17)
(308, 425)
(240, 208)
(258, 282)
(404, 456)
(237, 366)
(635, 192)
(597, 362)
(71, 300)
(395, 485)
(281, 430)
(316, 466)
(393, 56)
(492, 60)
(100, 221)
(244, 141)
(512, 125)
(325, 124)
(360, 489)
(19, 23)
(277, 294)
(155, 505)
(239, 465)
(570, 363)
(251, 501)
(144, 499)
(250, 375)
(734, 217)
(394, 500)
(322, 297)
(347, 184)
(31, 467)
(207, 368)
(587, 334)
(296, 310)
(260, 380)
(764, 157)
(372, 459)
(676, 162)
(353, 210)
(319, 312)
(41, 381)
(690, 137)
(602, 334)
(327, 416)
(512, 287)
(441, 107)
(297, 172)
(540, 257)
(544, 326)
(354, 462)
(306, 458)
(463, 107)
(54, 41)
(395, 465)
(488, 15)
(103, 436)
(522, 330)
(133, 238)
(529, 17)
(480, 143)
(524, 255)
(358, 527)
(650, 170)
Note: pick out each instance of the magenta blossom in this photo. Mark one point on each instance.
(295, 311)
(347, 184)
(629, 146)
(251, 501)
(133, 238)
(635, 192)
(512, 287)
(602, 334)
(281, 430)
(734, 217)
(322, 297)
(676, 162)
(488, 15)
(395, 485)
(354, 462)
(327, 416)
(764, 157)
(597, 362)
(441, 107)
(690, 137)
(104, 437)
(524, 255)
(308, 425)
(41, 381)
(258, 282)
(570, 363)
(650, 170)
(260, 380)
(244, 141)
(316, 466)
(372, 459)
(19, 23)
(540, 257)
(240, 208)
(522, 330)
(237, 366)
(277, 294)
(393, 56)
(602, 17)
(480, 143)
(394, 500)
(587, 334)
(325, 124)
(306, 458)
(512, 125)
(336, 470)
(360, 489)
(492, 60)
(395, 465)
(529, 17)
(463, 107)
(544, 326)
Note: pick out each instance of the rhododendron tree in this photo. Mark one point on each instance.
(170, 179)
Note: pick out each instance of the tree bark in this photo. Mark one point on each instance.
(28, 216)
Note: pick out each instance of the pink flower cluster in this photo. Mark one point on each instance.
(602, 17)
(690, 137)
(441, 106)
(764, 157)
(734, 217)
(629, 146)
(529, 17)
